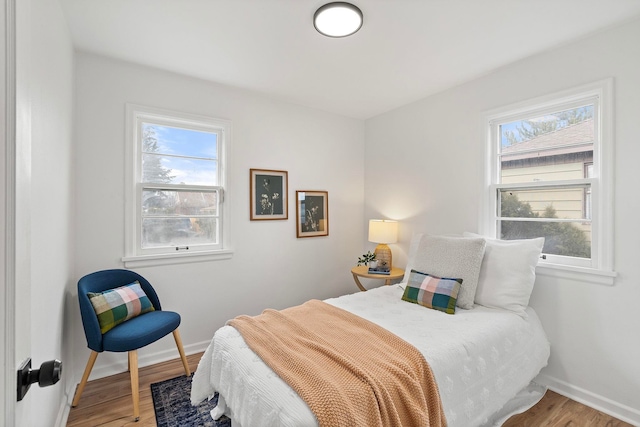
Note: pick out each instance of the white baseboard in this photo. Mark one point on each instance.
(603, 404)
(116, 368)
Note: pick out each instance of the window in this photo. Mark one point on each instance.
(549, 174)
(175, 202)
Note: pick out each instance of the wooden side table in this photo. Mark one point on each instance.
(363, 271)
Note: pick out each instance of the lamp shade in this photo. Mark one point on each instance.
(338, 19)
(383, 231)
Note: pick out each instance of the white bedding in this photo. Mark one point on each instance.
(481, 359)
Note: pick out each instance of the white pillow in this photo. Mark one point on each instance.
(413, 248)
(411, 256)
(449, 257)
(508, 273)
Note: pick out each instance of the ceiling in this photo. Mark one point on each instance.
(405, 51)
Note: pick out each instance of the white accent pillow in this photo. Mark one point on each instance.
(508, 273)
(449, 257)
(411, 256)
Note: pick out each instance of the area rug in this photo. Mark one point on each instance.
(172, 405)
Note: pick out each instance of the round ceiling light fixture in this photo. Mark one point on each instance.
(338, 19)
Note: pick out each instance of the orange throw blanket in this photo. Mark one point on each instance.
(351, 372)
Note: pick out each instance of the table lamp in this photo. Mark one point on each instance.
(383, 231)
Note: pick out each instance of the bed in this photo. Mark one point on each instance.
(483, 357)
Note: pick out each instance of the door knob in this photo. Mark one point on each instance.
(48, 374)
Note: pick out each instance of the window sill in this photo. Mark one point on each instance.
(178, 258)
(580, 274)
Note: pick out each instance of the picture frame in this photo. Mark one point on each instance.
(312, 213)
(269, 194)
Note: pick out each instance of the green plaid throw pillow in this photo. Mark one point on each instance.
(439, 293)
(120, 304)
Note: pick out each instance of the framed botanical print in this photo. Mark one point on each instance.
(312, 213)
(269, 194)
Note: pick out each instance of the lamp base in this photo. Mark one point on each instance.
(383, 255)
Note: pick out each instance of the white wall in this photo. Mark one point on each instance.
(433, 185)
(270, 267)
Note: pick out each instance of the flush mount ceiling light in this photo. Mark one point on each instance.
(337, 19)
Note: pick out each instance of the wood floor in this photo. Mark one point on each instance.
(107, 402)
(555, 410)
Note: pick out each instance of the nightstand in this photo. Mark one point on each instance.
(363, 271)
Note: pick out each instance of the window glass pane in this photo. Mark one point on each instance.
(178, 231)
(179, 141)
(163, 202)
(568, 202)
(560, 238)
(161, 169)
(549, 147)
(173, 155)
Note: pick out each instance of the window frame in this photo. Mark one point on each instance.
(135, 255)
(598, 268)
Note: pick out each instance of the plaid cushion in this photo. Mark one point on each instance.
(434, 292)
(117, 305)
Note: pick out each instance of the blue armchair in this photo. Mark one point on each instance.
(128, 336)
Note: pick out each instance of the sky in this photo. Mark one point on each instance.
(513, 126)
(197, 150)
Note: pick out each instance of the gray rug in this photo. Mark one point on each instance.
(172, 405)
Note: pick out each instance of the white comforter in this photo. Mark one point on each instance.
(481, 359)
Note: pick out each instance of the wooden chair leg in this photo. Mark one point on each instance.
(176, 336)
(85, 377)
(133, 368)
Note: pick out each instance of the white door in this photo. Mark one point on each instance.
(15, 184)
(6, 206)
